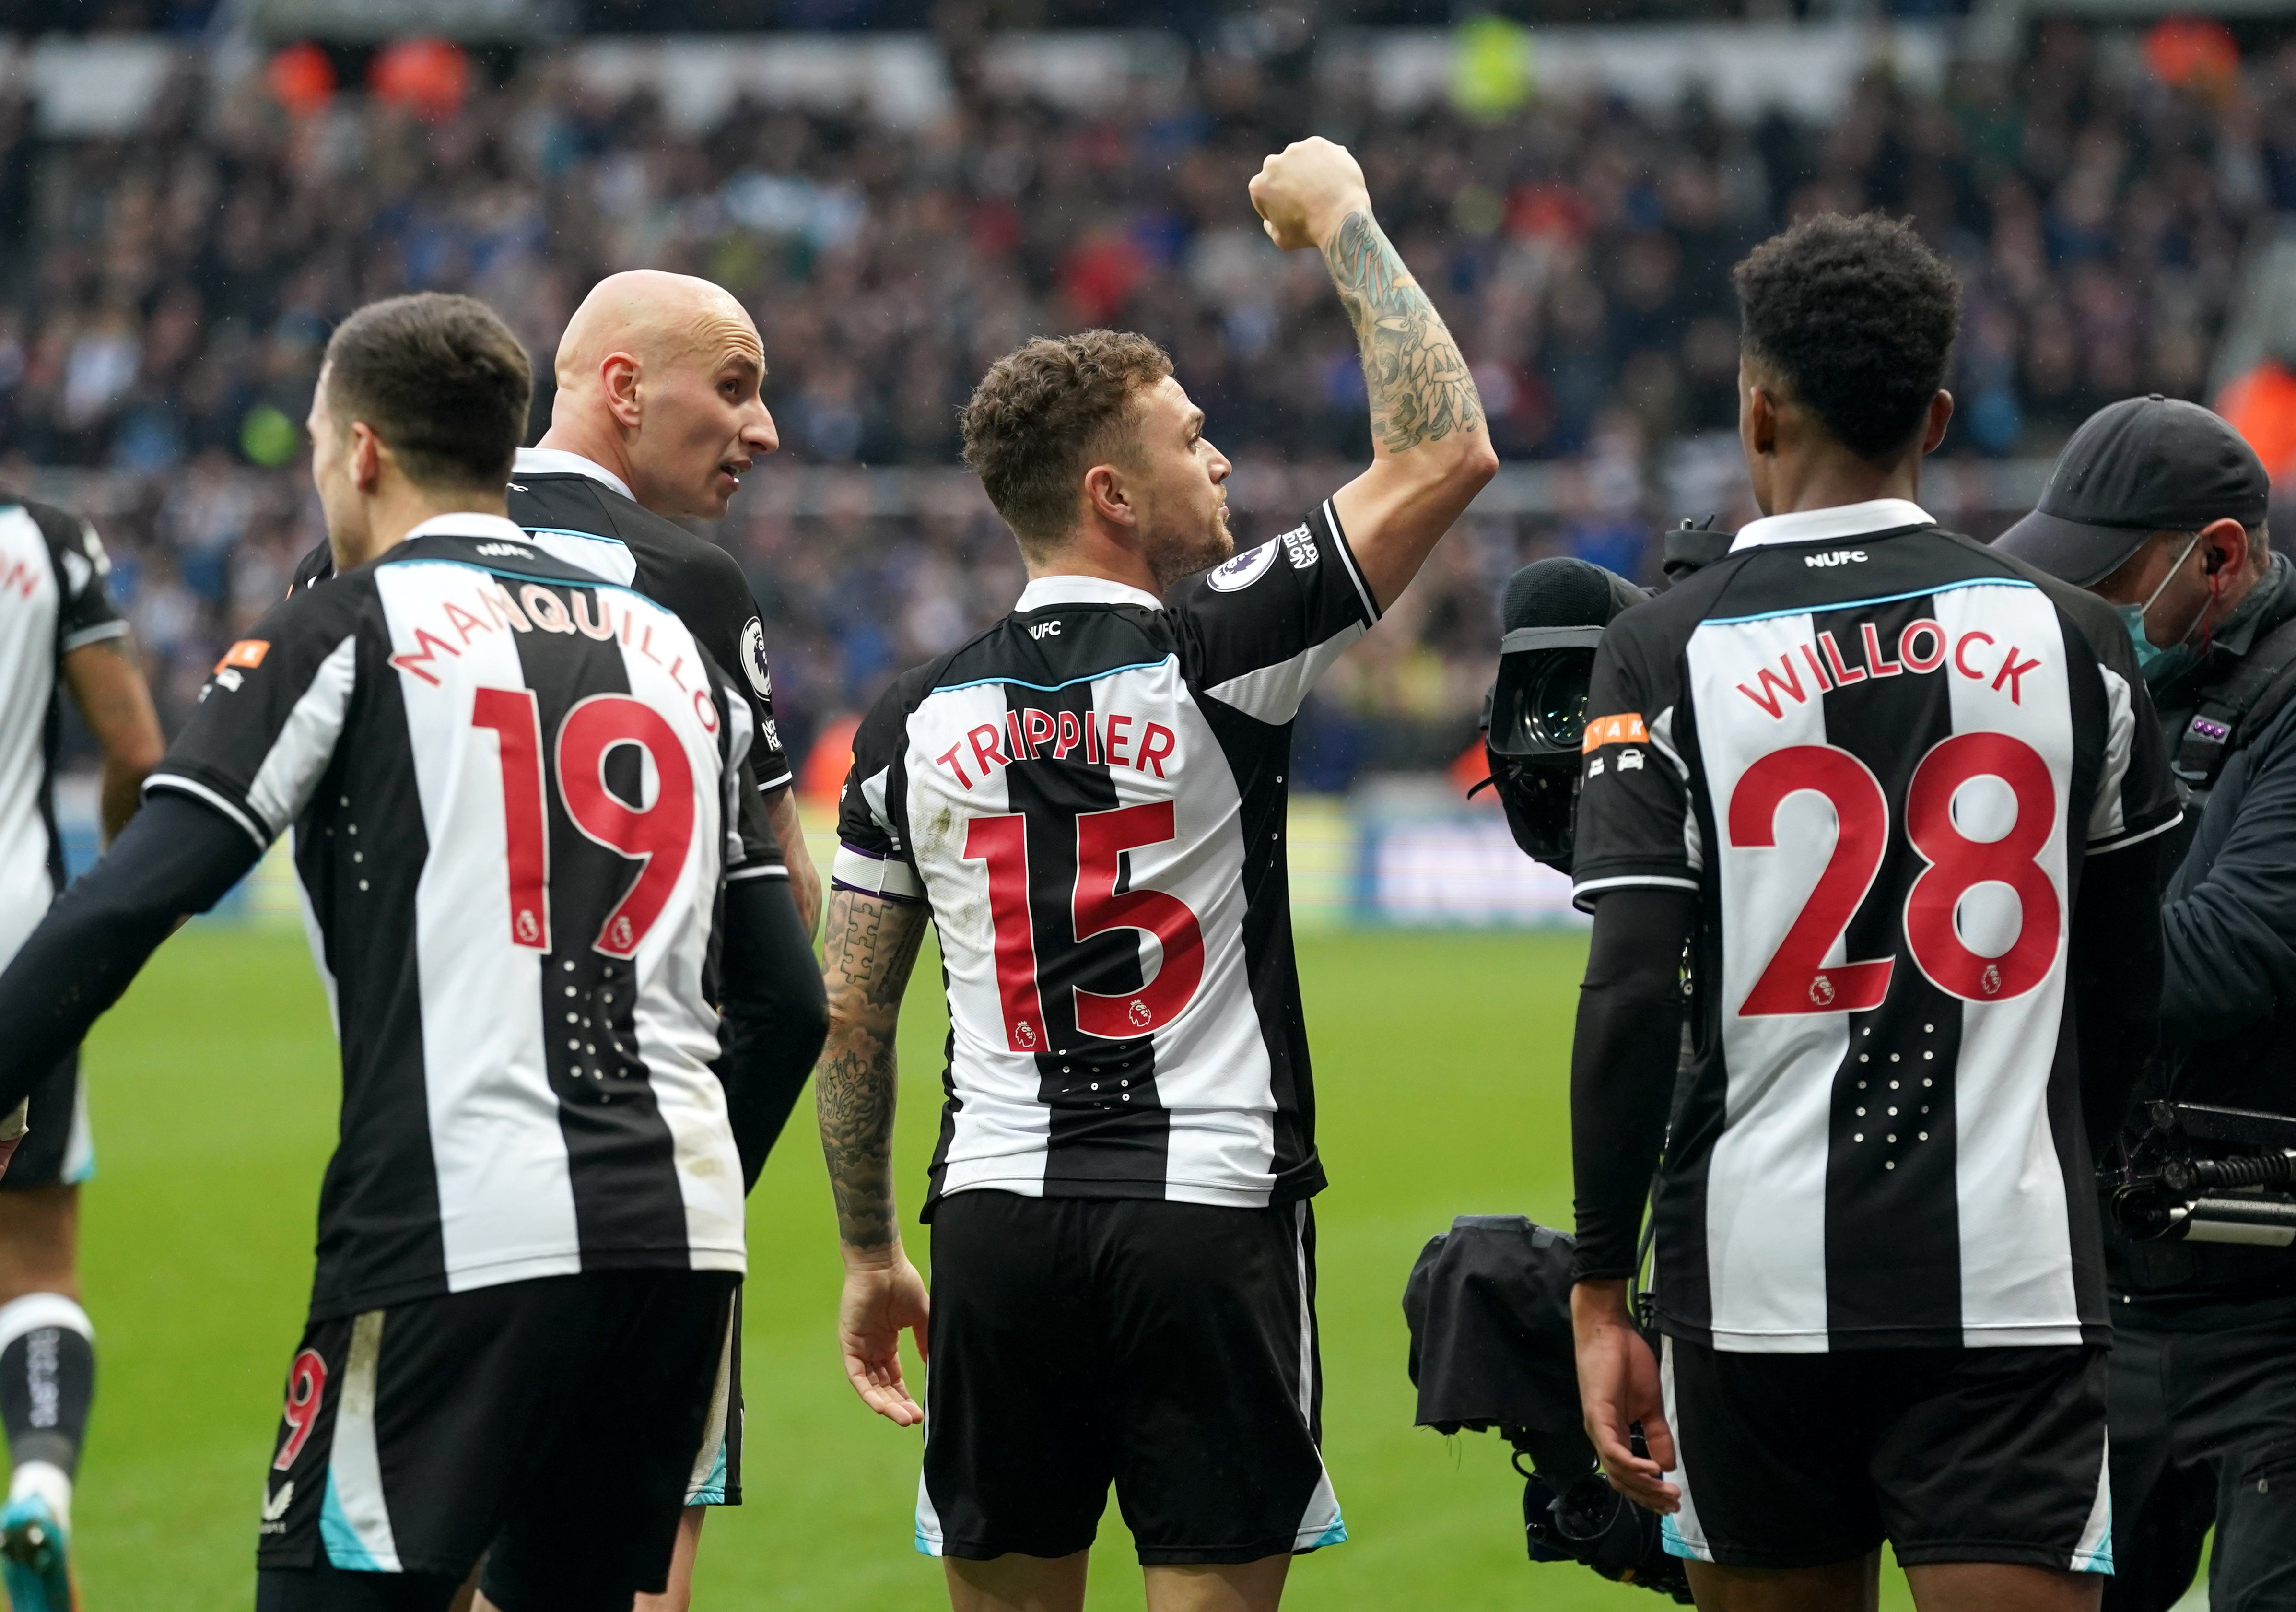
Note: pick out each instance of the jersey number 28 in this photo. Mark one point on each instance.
(1799, 980)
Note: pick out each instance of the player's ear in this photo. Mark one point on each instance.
(1758, 414)
(1940, 415)
(618, 375)
(1110, 500)
(365, 456)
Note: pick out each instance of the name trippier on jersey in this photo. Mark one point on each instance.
(1924, 646)
(1096, 738)
(594, 614)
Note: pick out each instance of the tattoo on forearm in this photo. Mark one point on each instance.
(1421, 390)
(872, 947)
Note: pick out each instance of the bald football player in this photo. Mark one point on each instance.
(658, 417)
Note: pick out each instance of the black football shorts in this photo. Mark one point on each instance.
(1953, 1455)
(1168, 1348)
(57, 1148)
(551, 1424)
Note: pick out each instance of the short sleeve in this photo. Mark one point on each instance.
(1634, 823)
(872, 855)
(270, 715)
(85, 614)
(753, 850)
(1258, 632)
(2136, 792)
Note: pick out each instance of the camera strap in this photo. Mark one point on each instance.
(2234, 712)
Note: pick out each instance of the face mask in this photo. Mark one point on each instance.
(2156, 665)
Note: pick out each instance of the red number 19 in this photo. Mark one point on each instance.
(657, 835)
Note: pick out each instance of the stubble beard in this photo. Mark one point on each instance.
(1172, 562)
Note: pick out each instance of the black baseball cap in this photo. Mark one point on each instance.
(2136, 467)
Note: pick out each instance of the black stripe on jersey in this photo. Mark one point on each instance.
(1892, 1222)
(606, 1107)
(1259, 757)
(360, 849)
(1106, 1124)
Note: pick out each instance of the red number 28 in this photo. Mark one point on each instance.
(1797, 978)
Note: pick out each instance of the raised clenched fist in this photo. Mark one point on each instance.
(1305, 191)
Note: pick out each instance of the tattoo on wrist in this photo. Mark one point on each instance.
(1420, 387)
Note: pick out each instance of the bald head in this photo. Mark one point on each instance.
(658, 318)
(657, 376)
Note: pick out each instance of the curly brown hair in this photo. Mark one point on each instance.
(1045, 413)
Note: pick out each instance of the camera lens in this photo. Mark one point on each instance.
(1558, 699)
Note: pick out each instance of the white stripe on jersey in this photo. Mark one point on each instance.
(606, 557)
(506, 1203)
(1766, 1179)
(676, 1027)
(1002, 1129)
(2016, 1241)
(281, 786)
(2107, 820)
(1273, 693)
(28, 605)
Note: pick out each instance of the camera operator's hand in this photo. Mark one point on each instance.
(1619, 1387)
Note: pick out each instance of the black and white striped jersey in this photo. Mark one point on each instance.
(52, 601)
(1880, 753)
(509, 786)
(1091, 795)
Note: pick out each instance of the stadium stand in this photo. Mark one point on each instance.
(168, 289)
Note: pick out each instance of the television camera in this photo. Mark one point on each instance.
(1554, 613)
(2202, 1174)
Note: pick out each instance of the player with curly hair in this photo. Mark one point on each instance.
(1899, 796)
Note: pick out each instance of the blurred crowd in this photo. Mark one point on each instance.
(167, 298)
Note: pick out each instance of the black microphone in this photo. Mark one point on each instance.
(1564, 592)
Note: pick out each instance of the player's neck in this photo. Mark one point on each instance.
(601, 443)
(1092, 556)
(399, 509)
(1827, 480)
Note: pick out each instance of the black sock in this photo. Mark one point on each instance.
(47, 1379)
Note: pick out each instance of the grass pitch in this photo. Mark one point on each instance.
(1442, 1073)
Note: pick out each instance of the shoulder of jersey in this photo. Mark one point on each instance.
(2091, 614)
(572, 502)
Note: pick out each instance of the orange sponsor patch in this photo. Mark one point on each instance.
(1627, 729)
(248, 652)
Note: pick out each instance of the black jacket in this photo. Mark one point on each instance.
(2228, 921)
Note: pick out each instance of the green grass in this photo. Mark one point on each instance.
(1442, 1073)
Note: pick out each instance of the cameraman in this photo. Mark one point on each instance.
(2158, 508)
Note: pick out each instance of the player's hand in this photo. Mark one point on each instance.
(1305, 192)
(884, 1296)
(1619, 1387)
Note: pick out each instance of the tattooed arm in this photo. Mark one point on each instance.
(872, 947)
(1430, 449)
